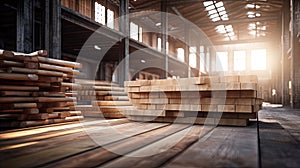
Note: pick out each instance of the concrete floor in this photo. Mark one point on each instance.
(279, 136)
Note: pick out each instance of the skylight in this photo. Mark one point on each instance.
(217, 12)
(257, 29)
(251, 13)
(207, 3)
(226, 30)
(252, 6)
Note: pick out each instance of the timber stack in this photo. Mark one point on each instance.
(106, 99)
(36, 90)
(214, 100)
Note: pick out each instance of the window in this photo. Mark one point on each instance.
(239, 60)
(167, 48)
(258, 59)
(202, 59)
(222, 61)
(180, 54)
(110, 18)
(134, 31)
(99, 13)
(159, 44)
(140, 34)
(207, 60)
(193, 57)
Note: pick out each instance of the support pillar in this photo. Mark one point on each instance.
(164, 36)
(53, 28)
(25, 26)
(295, 54)
(187, 49)
(123, 69)
(285, 99)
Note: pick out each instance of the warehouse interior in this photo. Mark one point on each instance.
(161, 83)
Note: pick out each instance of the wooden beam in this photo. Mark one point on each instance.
(146, 4)
(242, 41)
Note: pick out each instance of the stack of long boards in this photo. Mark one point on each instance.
(107, 99)
(228, 100)
(36, 90)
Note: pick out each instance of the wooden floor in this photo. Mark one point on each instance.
(122, 143)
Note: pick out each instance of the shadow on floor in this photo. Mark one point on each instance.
(278, 147)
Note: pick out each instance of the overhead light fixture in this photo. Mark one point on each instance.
(143, 61)
(96, 47)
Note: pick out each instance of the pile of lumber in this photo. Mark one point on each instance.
(107, 99)
(36, 90)
(228, 100)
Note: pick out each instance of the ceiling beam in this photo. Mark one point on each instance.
(146, 4)
(259, 40)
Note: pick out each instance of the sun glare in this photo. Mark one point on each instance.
(259, 59)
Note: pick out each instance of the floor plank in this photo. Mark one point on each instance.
(96, 144)
(78, 144)
(112, 151)
(36, 134)
(156, 154)
(224, 147)
(65, 136)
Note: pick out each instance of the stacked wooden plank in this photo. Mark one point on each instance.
(107, 99)
(229, 100)
(36, 90)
